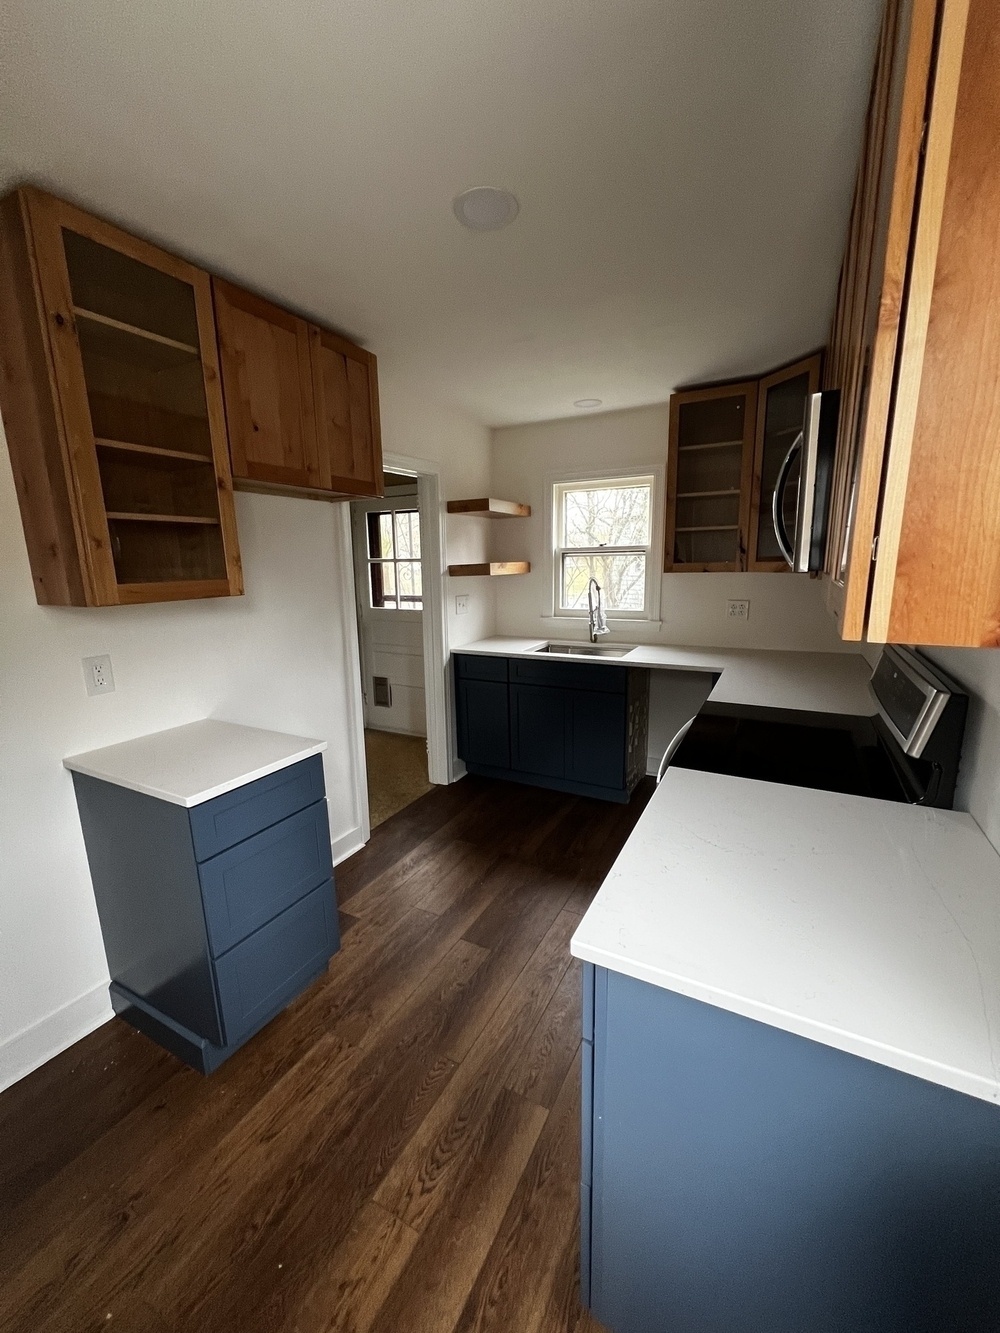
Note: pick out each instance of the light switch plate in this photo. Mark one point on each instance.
(97, 674)
(462, 604)
(738, 609)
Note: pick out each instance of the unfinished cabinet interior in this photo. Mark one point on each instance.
(301, 402)
(727, 444)
(709, 467)
(113, 412)
(915, 348)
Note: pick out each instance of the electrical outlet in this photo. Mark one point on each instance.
(738, 609)
(462, 604)
(98, 675)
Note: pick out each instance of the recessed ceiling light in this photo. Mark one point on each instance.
(588, 402)
(484, 208)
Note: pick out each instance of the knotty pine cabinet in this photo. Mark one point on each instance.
(915, 348)
(727, 443)
(301, 402)
(109, 388)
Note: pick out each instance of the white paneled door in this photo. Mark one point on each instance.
(388, 578)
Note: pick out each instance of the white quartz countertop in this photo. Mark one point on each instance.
(868, 925)
(190, 764)
(813, 682)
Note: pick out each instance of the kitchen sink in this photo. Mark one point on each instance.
(585, 649)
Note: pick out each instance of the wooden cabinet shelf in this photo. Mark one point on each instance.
(153, 451)
(135, 330)
(493, 569)
(137, 517)
(113, 410)
(490, 508)
(712, 444)
(704, 495)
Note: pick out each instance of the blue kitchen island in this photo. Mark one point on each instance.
(792, 1067)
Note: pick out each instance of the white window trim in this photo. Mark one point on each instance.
(558, 482)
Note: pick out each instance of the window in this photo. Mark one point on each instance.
(394, 560)
(603, 530)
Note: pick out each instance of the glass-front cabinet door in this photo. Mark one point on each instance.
(781, 408)
(132, 342)
(709, 465)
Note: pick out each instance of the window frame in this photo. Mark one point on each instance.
(558, 486)
(374, 514)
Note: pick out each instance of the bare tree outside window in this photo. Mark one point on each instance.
(604, 532)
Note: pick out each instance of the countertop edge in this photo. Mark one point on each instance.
(199, 798)
(852, 1043)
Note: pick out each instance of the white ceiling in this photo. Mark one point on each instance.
(684, 169)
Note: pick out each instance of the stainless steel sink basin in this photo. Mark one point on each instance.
(584, 649)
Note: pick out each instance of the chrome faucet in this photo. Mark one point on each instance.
(598, 620)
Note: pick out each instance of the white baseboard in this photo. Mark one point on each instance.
(33, 1046)
(347, 844)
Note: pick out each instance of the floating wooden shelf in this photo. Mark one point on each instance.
(119, 516)
(182, 455)
(490, 508)
(711, 527)
(493, 570)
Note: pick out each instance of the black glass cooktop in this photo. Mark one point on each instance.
(827, 752)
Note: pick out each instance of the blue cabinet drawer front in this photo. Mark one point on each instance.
(247, 885)
(470, 667)
(261, 975)
(571, 675)
(239, 814)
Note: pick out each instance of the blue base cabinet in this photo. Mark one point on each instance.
(575, 727)
(740, 1179)
(215, 917)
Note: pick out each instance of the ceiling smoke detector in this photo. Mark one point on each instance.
(588, 402)
(484, 208)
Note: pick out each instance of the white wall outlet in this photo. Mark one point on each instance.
(98, 674)
(462, 604)
(738, 609)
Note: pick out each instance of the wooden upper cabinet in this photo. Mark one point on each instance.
(917, 341)
(709, 473)
(302, 403)
(782, 398)
(267, 379)
(113, 411)
(345, 380)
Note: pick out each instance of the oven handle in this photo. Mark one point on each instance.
(777, 514)
(672, 749)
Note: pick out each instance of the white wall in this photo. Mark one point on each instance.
(414, 428)
(279, 657)
(786, 610)
(978, 669)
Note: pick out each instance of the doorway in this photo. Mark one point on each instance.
(388, 550)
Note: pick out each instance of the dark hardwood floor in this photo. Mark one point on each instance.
(398, 1152)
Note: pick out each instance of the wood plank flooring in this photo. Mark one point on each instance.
(396, 1153)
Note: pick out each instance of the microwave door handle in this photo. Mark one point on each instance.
(777, 514)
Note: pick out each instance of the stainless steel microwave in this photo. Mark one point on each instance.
(800, 506)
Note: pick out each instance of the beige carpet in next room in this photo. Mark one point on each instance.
(397, 772)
